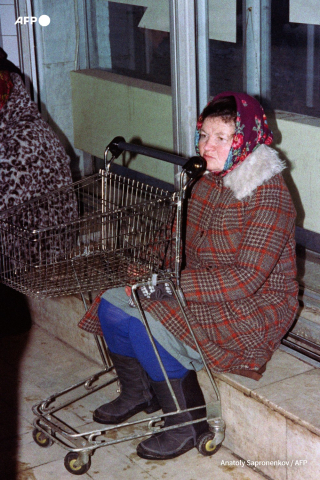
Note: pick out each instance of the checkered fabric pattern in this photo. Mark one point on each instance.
(239, 280)
(90, 321)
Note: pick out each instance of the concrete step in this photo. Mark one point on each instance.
(272, 425)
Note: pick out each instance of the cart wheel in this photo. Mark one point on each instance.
(70, 464)
(205, 445)
(41, 439)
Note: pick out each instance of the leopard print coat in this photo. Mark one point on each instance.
(32, 159)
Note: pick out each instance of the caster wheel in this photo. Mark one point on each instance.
(70, 464)
(41, 439)
(205, 445)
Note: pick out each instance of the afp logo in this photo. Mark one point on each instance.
(43, 20)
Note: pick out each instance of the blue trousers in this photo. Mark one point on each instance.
(127, 336)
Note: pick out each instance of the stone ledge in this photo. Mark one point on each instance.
(284, 374)
(276, 418)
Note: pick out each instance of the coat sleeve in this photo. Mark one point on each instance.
(269, 221)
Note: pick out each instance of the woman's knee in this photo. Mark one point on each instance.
(115, 327)
(112, 317)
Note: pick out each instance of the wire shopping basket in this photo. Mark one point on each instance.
(87, 236)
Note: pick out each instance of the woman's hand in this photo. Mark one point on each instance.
(128, 291)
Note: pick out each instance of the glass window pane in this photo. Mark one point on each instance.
(295, 53)
(294, 61)
(117, 42)
(226, 61)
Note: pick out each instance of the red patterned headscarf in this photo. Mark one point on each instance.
(6, 86)
(251, 129)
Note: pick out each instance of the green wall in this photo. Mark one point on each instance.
(300, 147)
(106, 105)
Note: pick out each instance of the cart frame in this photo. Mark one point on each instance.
(48, 428)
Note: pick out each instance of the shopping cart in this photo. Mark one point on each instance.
(102, 232)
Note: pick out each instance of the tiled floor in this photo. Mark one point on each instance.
(35, 365)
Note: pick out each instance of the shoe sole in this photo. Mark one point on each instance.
(152, 456)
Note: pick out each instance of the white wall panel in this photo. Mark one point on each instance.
(223, 20)
(10, 46)
(305, 11)
(8, 31)
(7, 16)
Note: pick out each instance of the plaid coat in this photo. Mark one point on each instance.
(239, 277)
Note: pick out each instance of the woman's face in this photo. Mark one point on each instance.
(215, 142)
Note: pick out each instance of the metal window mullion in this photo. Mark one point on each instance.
(265, 58)
(183, 76)
(27, 54)
(202, 40)
(252, 47)
(310, 65)
(82, 60)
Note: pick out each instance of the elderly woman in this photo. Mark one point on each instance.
(238, 281)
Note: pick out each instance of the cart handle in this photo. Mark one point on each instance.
(118, 145)
(193, 166)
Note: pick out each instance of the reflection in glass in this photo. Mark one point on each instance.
(295, 53)
(117, 43)
(294, 63)
(226, 61)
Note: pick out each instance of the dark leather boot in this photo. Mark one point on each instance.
(136, 394)
(175, 442)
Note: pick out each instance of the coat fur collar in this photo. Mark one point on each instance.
(257, 168)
